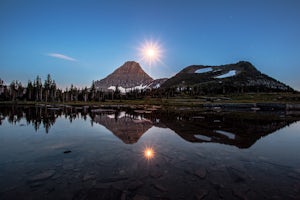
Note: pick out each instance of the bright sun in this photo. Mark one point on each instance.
(150, 53)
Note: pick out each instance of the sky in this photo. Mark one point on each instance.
(77, 41)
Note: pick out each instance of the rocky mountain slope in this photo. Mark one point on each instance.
(239, 77)
(129, 75)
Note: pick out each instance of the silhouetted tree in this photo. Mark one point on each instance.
(38, 89)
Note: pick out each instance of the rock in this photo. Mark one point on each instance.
(297, 170)
(217, 186)
(159, 187)
(225, 193)
(36, 184)
(56, 176)
(201, 155)
(201, 194)
(239, 194)
(135, 185)
(201, 173)
(42, 176)
(67, 151)
(76, 169)
(120, 185)
(156, 174)
(88, 176)
(182, 158)
(124, 195)
(140, 197)
(294, 175)
(122, 172)
(68, 164)
(237, 175)
(188, 171)
(113, 179)
(98, 193)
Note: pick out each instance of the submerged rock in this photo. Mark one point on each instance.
(98, 193)
(239, 194)
(67, 151)
(140, 197)
(135, 185)
(237, 175)
(113, 179)
(156, 174)
(201, 173)
(42, 176)
(159, 187)
(89, 176)
(201, 194)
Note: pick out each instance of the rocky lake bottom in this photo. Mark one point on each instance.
(104, 153)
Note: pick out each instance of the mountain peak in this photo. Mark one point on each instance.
(129, 75)
(131, 67)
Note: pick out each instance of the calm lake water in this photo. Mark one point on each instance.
(109, 153)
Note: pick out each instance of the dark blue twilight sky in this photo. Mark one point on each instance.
(80, 41)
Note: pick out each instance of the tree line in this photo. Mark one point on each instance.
(47, 91)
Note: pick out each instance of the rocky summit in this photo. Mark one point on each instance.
(238, 77)
(128, 76)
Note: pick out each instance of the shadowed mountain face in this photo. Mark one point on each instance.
(239, 129)
(242, 76)
(126, 128)
(129, 75)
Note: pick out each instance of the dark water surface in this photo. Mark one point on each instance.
(100, 153)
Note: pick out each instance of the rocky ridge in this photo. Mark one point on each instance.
(232, 77)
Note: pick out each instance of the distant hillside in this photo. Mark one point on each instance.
(239, 77)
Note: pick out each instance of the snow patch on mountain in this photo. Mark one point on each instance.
(125, 90)
(228, 74)
(204, 70)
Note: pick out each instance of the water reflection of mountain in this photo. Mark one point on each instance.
(126, 127)
(241, 129)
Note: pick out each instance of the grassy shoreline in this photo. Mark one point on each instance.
(199, 101)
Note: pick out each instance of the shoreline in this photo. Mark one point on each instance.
(172, 103)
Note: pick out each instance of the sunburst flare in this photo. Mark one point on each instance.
(149, 153)
(150, 52)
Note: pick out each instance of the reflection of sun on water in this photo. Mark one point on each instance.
(148, 153)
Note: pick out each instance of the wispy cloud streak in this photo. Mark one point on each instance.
(61, 56)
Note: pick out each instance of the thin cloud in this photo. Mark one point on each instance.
(61, 56)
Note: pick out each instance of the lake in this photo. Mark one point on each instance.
(66, 152)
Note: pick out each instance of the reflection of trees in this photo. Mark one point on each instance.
(33, 115)
(233, 128)
(40, 115)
